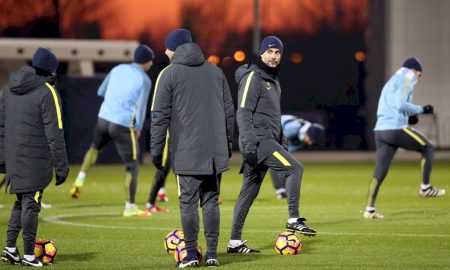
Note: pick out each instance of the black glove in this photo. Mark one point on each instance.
(428, 109)
(251, 158)
(157, 161)
(2, 168)
(60, 179)
(413, 119)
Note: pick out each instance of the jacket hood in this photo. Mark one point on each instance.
(25, 79)
(247, 68)
(243, 70)
(188, 54)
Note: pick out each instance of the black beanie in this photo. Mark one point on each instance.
(45, 60)
(143, 54)
(270, 42)
(414, 63)
(176, 38)
(317, 133)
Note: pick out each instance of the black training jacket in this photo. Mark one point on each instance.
(31, 132)
(193, 101)
(258, 114)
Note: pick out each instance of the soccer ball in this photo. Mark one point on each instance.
(181, 252)
(45, 250)
(288, 243)
(172, 239)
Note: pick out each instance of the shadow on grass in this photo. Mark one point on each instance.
(338, 221)
(78, 257)
(228, 259)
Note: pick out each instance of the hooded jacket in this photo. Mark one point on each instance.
(193, 101)
(31, 132)
(258, 114)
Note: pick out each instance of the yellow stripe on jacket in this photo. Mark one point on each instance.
(58, 108)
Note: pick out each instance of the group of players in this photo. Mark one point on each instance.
(192, 122)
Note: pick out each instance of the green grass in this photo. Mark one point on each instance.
(91, 233)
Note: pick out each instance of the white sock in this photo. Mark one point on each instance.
(234, 243)
(148, 205)
(11, 249)
(81, 176)
(129, 205)
(280, 190)
(370, 209)
(292, 220)
(423, 187)
(29, 257)
(161, 191)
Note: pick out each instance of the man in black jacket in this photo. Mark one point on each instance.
(261, 141)
(192, 101)
(31, 145)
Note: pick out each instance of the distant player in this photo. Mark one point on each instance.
(157, 189)
(261, 141)
(125, 91)
(299, 133)
(395, 108)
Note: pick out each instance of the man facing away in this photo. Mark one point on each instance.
(31, 146)
(192, 102)
(261, 142)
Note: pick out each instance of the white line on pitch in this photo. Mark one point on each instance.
(58, 220)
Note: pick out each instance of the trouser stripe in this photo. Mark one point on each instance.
(36, 196)
(133, 144)
(414, 136)
(281, 159)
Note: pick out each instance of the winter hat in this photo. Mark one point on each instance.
(45, 60)
(317, 133)
(414, 63)
(143, 54)
(176, 38)
(270, 42)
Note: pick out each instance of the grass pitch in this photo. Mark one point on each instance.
(91, 232)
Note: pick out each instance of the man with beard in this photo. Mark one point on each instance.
(261, 141)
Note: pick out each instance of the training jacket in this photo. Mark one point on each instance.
(193, 101)
(258, 114)
(395, 103)
(125, 91)
(31, 132)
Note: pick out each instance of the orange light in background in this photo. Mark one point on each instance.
(360, 56)
(239, 56)
(296, 58)
(226, 61)
(214, 59)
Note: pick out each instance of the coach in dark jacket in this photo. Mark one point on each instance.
(31, 145)
(192, 101)
(261, 141)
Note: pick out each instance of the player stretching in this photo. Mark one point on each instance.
(121, 117)
(395, 107)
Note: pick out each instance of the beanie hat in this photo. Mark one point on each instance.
(176, 38)
(143, 54)
(270, 42)
(317, 133)
(45, 60)
(414, 63)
